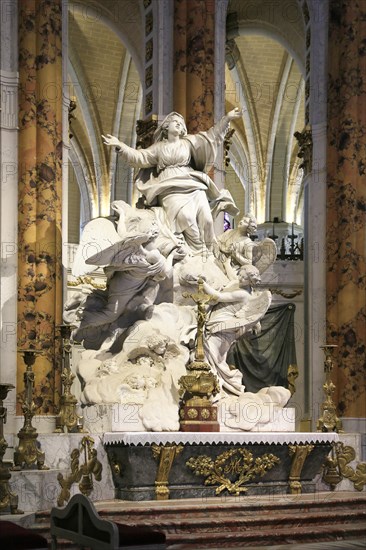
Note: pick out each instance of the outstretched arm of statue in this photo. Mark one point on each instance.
(221, 127)
(227, 296)
(143, 158)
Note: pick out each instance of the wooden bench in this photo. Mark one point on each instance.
(79, 522)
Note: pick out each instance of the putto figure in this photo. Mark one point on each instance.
(173, 175)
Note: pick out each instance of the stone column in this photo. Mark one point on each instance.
(40, 188)
(194, 62)
(8, 198)
(346, 204)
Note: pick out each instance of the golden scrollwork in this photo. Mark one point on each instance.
(166, 455)
(81, 473)
(80, 281)
(337, 467)
(236, 463)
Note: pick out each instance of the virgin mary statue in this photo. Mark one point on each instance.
(173, 174)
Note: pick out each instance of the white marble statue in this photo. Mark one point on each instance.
(139, 333)
(132, 263)
(236, 309)
(237, 249)
(173, 174)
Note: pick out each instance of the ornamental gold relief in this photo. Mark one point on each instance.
(337, 467)
(232, 469)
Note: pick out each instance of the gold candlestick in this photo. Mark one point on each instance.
(7, 498)
(29, 449)
(198, 386)
(329, 421)
(67, 416)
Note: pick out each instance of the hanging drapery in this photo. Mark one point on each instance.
(264, 358)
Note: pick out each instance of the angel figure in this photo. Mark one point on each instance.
(133, 265)
(240, 250)
(173, 175)
(239, 309)
(236, 309)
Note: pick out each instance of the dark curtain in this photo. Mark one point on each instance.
(264, 358)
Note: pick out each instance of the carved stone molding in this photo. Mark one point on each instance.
(305, 141)
(145, 131)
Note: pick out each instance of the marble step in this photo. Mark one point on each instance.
(251, 507)
(285, 520)
(266, 537)
(210, 523)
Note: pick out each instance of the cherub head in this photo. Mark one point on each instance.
(248, 224)
(157, 343)
(249, 276)
(135, 381)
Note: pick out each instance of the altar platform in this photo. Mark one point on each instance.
(178, 465)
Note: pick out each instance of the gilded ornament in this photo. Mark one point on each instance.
(67, 416)
(29, 451)
(192, 413)
(81, 473)
(337, 467)
(81, 281)
(205, 413)
(238, 463)
(166, 455)
(299, 454)
(329, 420)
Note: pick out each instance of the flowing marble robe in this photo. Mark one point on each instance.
(173, 175)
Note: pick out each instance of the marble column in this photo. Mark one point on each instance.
(39, 194)
(8, 198)
(194, 62)
(346, 203)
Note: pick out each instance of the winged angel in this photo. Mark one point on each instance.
(134, 268)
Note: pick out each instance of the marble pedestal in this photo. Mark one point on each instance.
(117, 417)
(39, 490)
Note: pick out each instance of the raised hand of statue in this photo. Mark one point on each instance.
(111, 140)
(235, 113)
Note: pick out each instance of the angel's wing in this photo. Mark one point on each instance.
(264, 254)
(98, 235)
(223, 319)
(116, 254)
(255, 308)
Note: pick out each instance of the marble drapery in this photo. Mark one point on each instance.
(346, 203)
(193, 70)
(39, 222)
